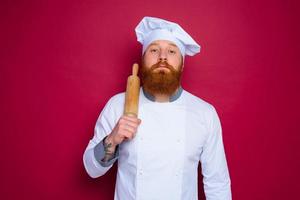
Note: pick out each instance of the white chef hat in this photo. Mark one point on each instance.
(151, 29)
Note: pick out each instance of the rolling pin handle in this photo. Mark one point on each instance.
(135, 69)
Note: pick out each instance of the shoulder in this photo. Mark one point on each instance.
(114, 107)
(205, 111)
(197, 103)
(117, 99)
(116, 103)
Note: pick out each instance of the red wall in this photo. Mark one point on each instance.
(60, 61)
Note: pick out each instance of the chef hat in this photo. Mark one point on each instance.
(151, 29)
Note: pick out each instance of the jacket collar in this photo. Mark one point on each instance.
(174, 97)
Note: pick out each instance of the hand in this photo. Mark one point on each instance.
(125, 129)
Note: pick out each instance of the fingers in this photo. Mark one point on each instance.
(131, 119)
(126, 133)
(128, 124)
(129, 135)
(127, 127)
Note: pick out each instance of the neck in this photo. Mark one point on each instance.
(161, 98)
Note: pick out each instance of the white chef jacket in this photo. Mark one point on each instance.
(161, 162)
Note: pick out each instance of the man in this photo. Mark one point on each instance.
(159, 152)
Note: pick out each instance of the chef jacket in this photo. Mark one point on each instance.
(161, 161)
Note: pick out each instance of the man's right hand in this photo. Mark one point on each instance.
(125, 129)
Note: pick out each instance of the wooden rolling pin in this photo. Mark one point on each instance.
(132, 93)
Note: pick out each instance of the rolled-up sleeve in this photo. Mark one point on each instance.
(99, 153)
(93, 153)
(216, 180)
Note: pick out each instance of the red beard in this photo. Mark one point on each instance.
(160, 81)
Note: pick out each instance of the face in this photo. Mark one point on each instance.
(161, 68)
(164, 51)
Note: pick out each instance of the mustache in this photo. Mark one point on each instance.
(164, 63)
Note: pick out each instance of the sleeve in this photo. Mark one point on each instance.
(104, 125)
(215, 172)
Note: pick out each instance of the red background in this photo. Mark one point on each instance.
(62, 60)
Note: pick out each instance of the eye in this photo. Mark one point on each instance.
(153, 50)
(171, 51)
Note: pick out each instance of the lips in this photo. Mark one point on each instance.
(164, 67)
(161, 66)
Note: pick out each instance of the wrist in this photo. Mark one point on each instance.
(110, 140)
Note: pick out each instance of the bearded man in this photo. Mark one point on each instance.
(158, 153)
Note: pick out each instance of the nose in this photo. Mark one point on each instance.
(162, 56)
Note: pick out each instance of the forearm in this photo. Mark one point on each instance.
(109, 148)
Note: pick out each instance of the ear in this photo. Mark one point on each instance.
(182, 59)
(182, 67)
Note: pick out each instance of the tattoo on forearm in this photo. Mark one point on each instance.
(109, 153)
